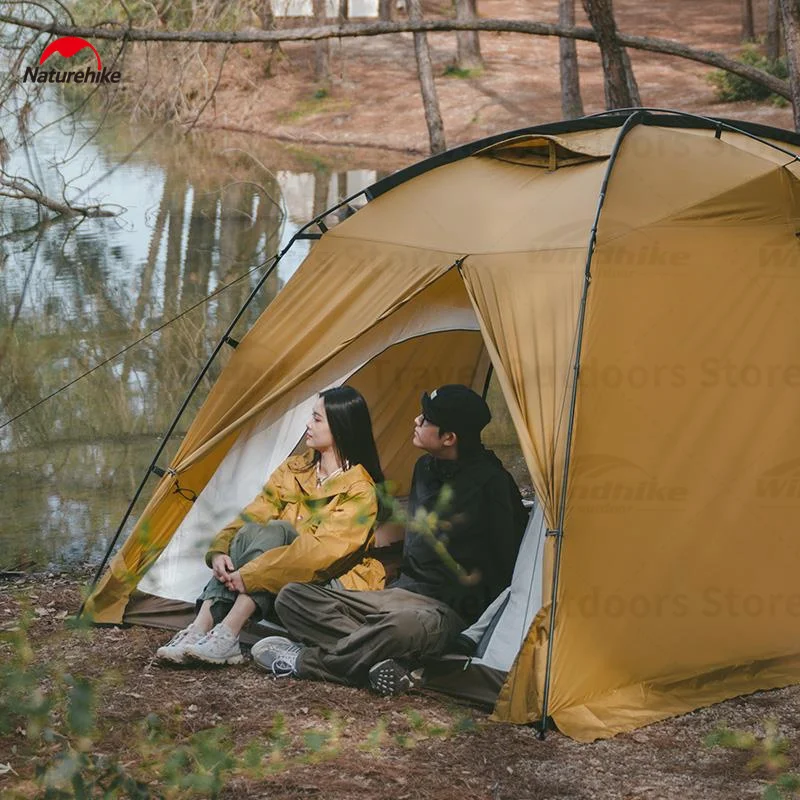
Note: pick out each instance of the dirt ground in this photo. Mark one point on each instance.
(421, 745)
(374, 100)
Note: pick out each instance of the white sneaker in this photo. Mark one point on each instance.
(174, 650)
(219, 646)
(276, 654)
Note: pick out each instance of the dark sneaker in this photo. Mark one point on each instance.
(389, 678)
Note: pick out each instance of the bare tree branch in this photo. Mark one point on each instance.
(347, 30)
(212, 92)
(19, 189)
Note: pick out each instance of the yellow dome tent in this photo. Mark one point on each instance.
(633, 279)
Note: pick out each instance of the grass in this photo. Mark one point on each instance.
(319, 103)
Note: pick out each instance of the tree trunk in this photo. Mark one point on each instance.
(322, 48)
(430, 100)
(385, 10)
(620, 84)
(468, 44)
(268, 24)
(266, 16)
(571, 103)
(773, 39)
(790, 15)
(748, 24)
(630, 79)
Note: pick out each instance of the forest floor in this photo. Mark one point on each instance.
(374, 97)
(342, 743)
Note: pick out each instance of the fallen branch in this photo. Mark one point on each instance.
(115, 31)
(19, 190)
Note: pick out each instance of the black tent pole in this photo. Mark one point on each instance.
(165, 438)
(635, 119)
(637, 116)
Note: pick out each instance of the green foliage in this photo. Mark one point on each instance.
(768, 754)
(421, 729)
(319, 102)
(453, 71)
(23, 703)
(732, 88)
(58, 712)
(376, 737)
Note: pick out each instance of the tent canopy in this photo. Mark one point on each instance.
(654, 256)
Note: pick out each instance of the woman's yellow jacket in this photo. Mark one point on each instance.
(335, 524)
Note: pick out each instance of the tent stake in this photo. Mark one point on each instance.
(558, 532)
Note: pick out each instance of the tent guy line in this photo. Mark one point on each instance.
(138, 341)
(153, 468)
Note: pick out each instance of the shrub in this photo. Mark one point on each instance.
(732, 88)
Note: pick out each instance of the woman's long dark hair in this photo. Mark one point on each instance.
(351, 429)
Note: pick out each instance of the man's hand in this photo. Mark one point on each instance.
(235, 583)
(223, 566)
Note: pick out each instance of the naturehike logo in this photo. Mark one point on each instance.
(603, 483)
(68, 46)
(780, 484)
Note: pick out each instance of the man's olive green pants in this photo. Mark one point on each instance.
(346, 632)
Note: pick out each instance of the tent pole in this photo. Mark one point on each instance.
(489, 373)
(635, 119)
(165, 438)
(718, 125)
(225, 338)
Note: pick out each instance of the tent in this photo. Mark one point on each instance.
(633, 281)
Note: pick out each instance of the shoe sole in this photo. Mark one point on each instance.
(175, 660)
(215, 661)
(389, 679)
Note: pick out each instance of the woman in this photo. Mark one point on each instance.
(312, 523)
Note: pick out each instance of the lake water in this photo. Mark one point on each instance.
(199, 214)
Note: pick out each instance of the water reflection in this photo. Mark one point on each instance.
(73, 294)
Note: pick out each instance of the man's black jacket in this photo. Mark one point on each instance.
(481, 527)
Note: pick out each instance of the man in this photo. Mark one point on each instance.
(465, 525)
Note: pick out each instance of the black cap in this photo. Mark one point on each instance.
(456, 408)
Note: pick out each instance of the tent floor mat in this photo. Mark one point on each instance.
(461, 677)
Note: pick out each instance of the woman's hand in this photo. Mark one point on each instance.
(223, 566)
(235, 583)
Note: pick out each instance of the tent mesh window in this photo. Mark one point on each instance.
(544, 152)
